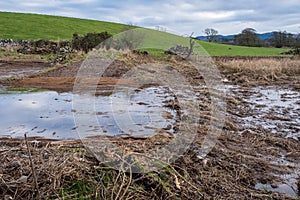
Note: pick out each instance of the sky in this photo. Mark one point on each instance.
(180, 17)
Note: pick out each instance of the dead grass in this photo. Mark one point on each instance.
(68, 171)
(267, 68)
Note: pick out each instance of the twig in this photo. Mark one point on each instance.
(5, 150)
(123, 179)
(32, 168)
(128, 185)
(178, 174)
(114, 186)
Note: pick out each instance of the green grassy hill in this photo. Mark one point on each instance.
(35, 26)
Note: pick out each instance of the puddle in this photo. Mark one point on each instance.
(287, 183)
(49, 114)
(39, 114)
(287, 186)
(282, 188)
(274, 110)
(139, 113)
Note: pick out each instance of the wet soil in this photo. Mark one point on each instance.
(256, 156)
(21, 68)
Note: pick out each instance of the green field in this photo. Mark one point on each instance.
(215, 49)
(33, 26)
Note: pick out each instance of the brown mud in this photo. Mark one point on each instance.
(21, 68)
(249, 161)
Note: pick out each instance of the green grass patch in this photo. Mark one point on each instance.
(20, 90)
(154, 52)
(78, 190)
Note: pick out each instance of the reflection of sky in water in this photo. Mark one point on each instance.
(134, 111)
(50, 115)
(281, 103)
(44, 114)
(124, 112)
(289, 186)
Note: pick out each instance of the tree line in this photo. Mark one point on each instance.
(249, 37)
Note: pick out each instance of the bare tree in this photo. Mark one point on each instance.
(192, 43)
(212, 34)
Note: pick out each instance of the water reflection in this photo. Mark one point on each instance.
(49, 114)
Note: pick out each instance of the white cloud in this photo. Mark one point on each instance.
(182, 16)
(37, 3)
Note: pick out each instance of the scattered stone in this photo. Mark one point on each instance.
(178, 50)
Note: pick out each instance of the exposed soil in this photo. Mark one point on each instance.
(61, 78)
(21, 68)
(246, 156)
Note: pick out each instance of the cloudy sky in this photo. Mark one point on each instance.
(181, 17)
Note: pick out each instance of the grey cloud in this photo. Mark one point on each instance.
(184, 16)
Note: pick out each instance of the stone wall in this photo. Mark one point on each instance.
(41, 47)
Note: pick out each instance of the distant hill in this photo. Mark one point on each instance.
(265, 36)
(262, 36)
(204, 38)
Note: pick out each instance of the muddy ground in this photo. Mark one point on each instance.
(25, 68)
(256, 156)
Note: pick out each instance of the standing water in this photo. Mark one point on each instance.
(49, 114)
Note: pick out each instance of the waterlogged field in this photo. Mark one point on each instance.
(256, 155)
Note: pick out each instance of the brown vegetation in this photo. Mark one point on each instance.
(241, 159)
(263, 71)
